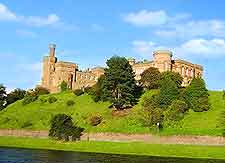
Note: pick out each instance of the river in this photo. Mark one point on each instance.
(18, 155)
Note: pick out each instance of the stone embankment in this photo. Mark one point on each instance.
(119, 137)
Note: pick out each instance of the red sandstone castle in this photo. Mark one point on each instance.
(54, 71)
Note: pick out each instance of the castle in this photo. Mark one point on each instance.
(55, 72)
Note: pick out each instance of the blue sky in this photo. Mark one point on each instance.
(88, 32)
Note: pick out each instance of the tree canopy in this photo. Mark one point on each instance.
(119, 83)
(196, 95)
(150, 78)
(176, 77)
(2, 96)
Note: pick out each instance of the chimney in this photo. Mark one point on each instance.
(52, 50)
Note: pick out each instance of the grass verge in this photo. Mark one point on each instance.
(131, 148)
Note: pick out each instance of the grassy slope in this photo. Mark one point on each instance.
(134, 148)
(17, 116)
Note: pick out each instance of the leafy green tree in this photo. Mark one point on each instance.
(96, 91)
(16, 94)
(119, 83)
(64, 86)
(176, 77)
(150, 78)
(150, 114)
(168, 92)
(196, 95)
(62, 128)
(3, 96)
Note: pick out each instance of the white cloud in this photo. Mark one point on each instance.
(213, 48)
(6, 14)
(195, 48)
(147, 18)
(36, 21)
(42, 21)
(192, 28)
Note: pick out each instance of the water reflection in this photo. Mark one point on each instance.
(16, 155)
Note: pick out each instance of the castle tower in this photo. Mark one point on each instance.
(163, 60)
(49, 67)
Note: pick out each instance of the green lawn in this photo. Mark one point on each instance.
(36, 116)
(135, 148)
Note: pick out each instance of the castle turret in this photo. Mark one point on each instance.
(162, 60)
(49, 67)
(52, 50)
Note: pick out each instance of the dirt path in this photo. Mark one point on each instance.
(119, 137)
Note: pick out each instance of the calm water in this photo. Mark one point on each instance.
(16, 155)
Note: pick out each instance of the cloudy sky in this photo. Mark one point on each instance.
(88, 32)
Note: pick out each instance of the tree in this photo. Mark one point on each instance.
(196, 95)
(62, 128)
(16, 94)
(119, 83)
(150, 114)
(63, 86)
(168, 92)
(3, 96)
(176, 77)
(150, 78)
(96, 91)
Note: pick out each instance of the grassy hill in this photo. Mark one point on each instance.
(36, 116)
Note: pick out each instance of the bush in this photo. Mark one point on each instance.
(95, 120)
(41, 91)
(62, 128)
(168, 92)
(52, 99)
(78, 92)
(43, 100)
(63, 86)
(29, 99)
(176, 111)
(70, 103)
(87, 90)
(150, 114)
(196, 95)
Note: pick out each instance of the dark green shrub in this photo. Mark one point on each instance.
(87, 90)
(196, 95)
(29, 99)
(52, 99)
(168, 92)
(62, 128)
(176, 111)
(41, 91)
(70, 103)
(43, 100)
(150, 114)
(78, 92)
(95, 120)
(64, 86)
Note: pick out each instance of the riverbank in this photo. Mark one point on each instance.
(131, 148)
